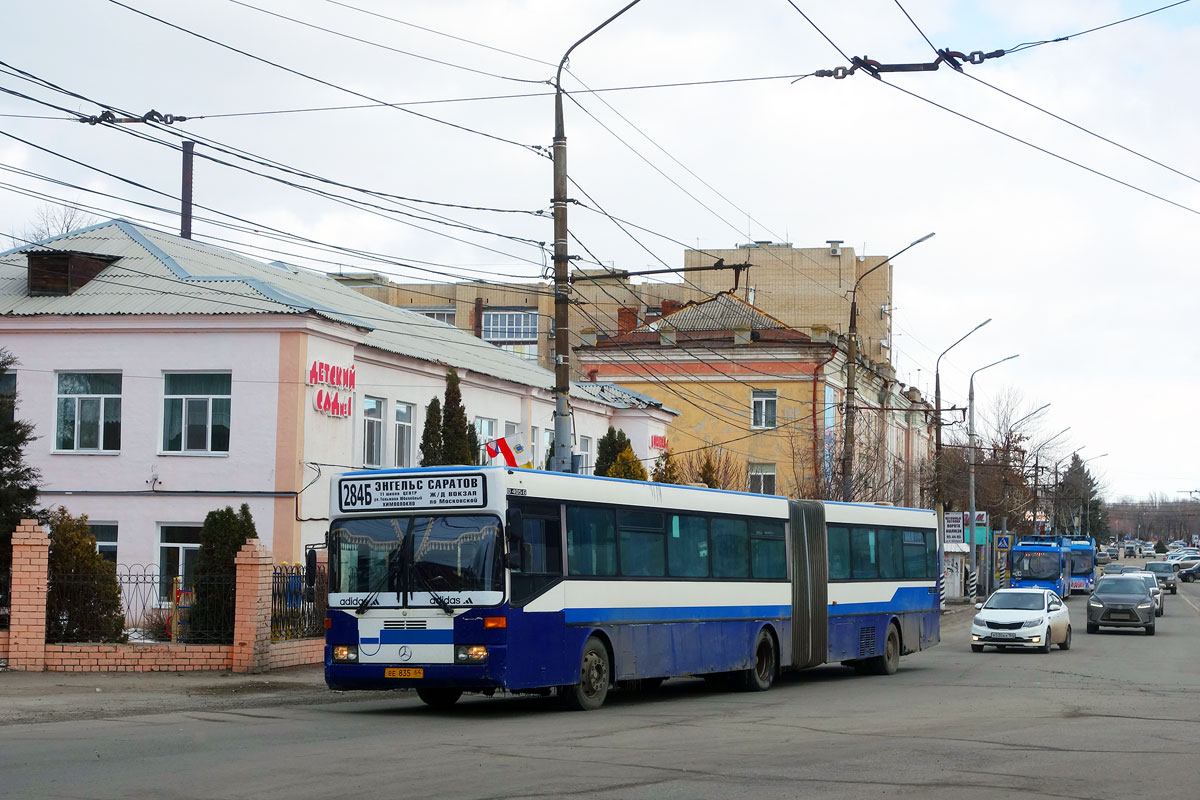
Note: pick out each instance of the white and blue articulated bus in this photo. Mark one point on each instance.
(476, 579)
(1083, 565)
(1041, 562)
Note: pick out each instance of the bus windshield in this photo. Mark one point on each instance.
(1036, 566)
(416, 554)
(1081, 563)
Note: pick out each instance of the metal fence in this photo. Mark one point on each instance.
(297, 610)
(5, 583)
(138, 605)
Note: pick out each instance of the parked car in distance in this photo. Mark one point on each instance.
(1156, 591)
(1165, 574)
(1113, 553)
(1035, 618)
(1187, 575)
(1102, 558)
(1120, 601)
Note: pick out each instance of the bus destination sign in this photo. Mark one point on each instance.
(394, 493)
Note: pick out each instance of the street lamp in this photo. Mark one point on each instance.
(852, 360)
(971, 459)
(563, 436)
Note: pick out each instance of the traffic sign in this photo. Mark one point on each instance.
(1002, 543)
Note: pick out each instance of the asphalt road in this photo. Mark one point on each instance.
(1114, 717)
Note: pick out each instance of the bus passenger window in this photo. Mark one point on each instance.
(914, 555)
(731, 552)
(839, 553)
(891, 561)
(541, 552)
(591, 541)
(768, 554)
(687, 547)
(864, 559)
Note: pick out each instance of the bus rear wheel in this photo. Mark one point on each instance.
(760, 676)
(889, 662)
(592, 689)
(439, 698)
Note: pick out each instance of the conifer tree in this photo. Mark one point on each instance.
(18, 480)
(222, 536)
(83, 599)
(666, 470)
(708, 472)
(456, 447)
(608, 448)
(431, 436)
(627, 466)
(473, 443)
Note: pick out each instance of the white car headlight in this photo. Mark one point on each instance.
(1034, 623)
(980, 622)
(1146, 605)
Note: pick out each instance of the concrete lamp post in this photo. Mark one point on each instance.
(971, 462)
(851, 365)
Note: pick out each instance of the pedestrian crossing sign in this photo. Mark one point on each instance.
(1002, 543)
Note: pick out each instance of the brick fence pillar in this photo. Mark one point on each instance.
(252, 615)
(27, 613)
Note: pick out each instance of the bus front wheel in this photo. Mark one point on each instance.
(592, 689)
(889, 662)
(760, 676)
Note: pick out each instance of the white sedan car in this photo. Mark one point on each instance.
(1022, 618)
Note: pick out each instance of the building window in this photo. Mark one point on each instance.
(510, 428)
(585, 455)
(89, 411)
(510, 326)
(763, 409)
(445, 315)
(8, 398)
(372, 431)
(485, 431)
(529, 352)
(549, 434)
(404, 435)
(762, 478)
(178, 546)
(106, 540)
(196, 412)
(533, 446)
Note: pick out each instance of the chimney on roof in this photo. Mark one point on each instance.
(666, 337)
(627, 319)
(670, 307)
(741, 335)
(58, 273)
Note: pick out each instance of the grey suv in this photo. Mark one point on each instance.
(1120, 601)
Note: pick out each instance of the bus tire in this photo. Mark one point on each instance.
(439, 698)
(594, 671)
(761, 674)
(889, 662)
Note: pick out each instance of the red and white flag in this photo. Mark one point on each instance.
(513, 448)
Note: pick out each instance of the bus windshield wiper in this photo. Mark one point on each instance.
(437, 598)
(388, 574)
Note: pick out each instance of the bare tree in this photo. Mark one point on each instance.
(50, 220)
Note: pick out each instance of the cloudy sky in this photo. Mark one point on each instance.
(1087, 269)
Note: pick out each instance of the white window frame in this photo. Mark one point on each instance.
(373, 430)
(764, 406)
(585, 455)
(485, 431)
(181, 558)
(510, 326)
(444, 315)
(104, 404)
(186, 401)
(404, 434)
(761, 472)
(106, 546)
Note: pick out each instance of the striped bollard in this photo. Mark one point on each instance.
(972, 586)
(942, 591)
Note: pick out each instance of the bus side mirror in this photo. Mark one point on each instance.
(513, 525)
(310, 569)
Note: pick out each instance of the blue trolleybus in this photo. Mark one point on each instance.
(456, 579)
(1083, 565)
(1041, 562)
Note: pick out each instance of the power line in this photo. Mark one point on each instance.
(1029, 45)
(534, 148)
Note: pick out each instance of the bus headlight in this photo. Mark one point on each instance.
(345, 652)
(470, 654)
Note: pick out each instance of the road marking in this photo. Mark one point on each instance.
(1190, 603)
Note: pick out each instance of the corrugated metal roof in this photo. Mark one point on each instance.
(721, 312)
(162, 274)
(617, 396)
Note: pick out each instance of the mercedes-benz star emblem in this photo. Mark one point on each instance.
(405, 652)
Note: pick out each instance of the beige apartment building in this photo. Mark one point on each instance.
(807, 289)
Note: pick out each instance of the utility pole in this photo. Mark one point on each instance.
(563, 434)
(971, 472)
(851, 368)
